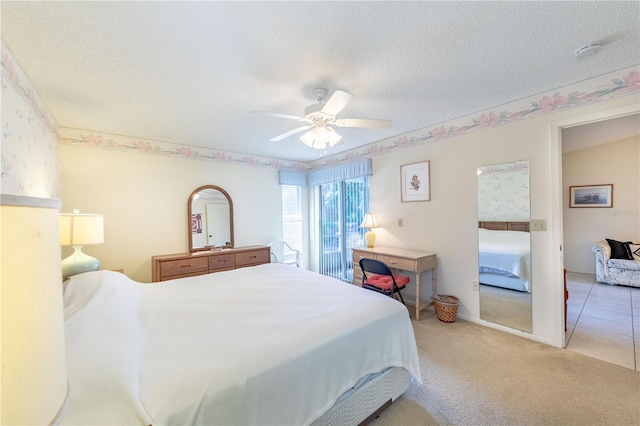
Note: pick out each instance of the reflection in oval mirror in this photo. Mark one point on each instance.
(210, 215)
(505, 245)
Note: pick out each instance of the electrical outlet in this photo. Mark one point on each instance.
(400, 223)
(474, 286)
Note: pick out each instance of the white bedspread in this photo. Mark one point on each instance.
(507, 251)
(271, 344)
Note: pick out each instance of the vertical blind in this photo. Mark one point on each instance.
(292, 216)
(344, 200)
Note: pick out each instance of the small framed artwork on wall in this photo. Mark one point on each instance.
(591, 196)
(415, 184)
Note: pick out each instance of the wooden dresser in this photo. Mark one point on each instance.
(399, 259)
(170, 266)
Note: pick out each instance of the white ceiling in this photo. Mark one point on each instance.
(600, 132)
(192, 72)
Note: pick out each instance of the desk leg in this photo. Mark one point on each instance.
(418, 296)
(434, 289)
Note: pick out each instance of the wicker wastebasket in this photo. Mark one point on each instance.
(446, 307)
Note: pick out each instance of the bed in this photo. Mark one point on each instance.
(505, 255)
(268, 344)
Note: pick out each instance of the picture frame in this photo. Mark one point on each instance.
(415, 182)
(591, 196)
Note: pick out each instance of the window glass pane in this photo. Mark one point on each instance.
(292, 216)
(342, 208)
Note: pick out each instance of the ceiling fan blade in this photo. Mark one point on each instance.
(337, 102)
(276, 114)
(360, 122)
(289, 133)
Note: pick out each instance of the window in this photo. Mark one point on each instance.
(342, 208)
(292, 216)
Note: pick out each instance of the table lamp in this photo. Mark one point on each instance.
(78, 230)
(370, 222)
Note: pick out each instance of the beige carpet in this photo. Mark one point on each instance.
(475, 375)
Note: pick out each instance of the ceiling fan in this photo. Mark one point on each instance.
(322, 114)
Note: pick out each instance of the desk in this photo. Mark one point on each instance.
(399, 259)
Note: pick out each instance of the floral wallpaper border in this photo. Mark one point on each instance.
(167, 149)
(613, 85)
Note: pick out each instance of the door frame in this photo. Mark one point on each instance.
(557, 201)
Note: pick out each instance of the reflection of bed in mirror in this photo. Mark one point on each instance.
(505, 255)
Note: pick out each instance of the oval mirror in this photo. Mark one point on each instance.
(210, 215)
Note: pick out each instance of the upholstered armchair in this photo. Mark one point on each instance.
(615, 271)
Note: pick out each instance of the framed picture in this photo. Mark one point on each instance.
(415, 182)
(591, 196)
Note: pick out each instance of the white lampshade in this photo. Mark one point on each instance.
(369, 221)
(81, 229)
(77, 230)
(320, 136)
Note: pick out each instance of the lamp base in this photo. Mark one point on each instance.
(370, 238)
(78, 262)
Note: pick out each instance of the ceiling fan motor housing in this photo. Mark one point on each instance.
(314, 112)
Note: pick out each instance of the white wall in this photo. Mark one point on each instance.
(611, 163)
(447, 225)
(144, 202)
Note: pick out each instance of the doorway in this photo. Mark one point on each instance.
(599, 316)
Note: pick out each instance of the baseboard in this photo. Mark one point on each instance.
(508, 330)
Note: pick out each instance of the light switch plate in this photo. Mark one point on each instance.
(538, 225)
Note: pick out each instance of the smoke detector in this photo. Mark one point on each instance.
(588, 50)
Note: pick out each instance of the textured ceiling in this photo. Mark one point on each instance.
(592, 134)
(192, 72)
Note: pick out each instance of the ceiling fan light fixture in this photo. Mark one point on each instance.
(320, 136)
(320, 114)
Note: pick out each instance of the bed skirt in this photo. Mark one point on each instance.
(357, 404)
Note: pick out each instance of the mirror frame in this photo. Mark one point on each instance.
(189, 202)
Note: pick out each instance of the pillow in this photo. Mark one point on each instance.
(620, 250)
(634, 248)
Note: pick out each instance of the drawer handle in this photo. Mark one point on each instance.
(393, 262)
(185, 266)
(252, 257)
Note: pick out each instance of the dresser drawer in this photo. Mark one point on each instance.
(357, 275)
(397, 262)
(253, 257)
(172, 268)
(222, 262)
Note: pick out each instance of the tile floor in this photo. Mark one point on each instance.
(603, 321)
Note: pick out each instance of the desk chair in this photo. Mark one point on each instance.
(377, 276)
(281, 252)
